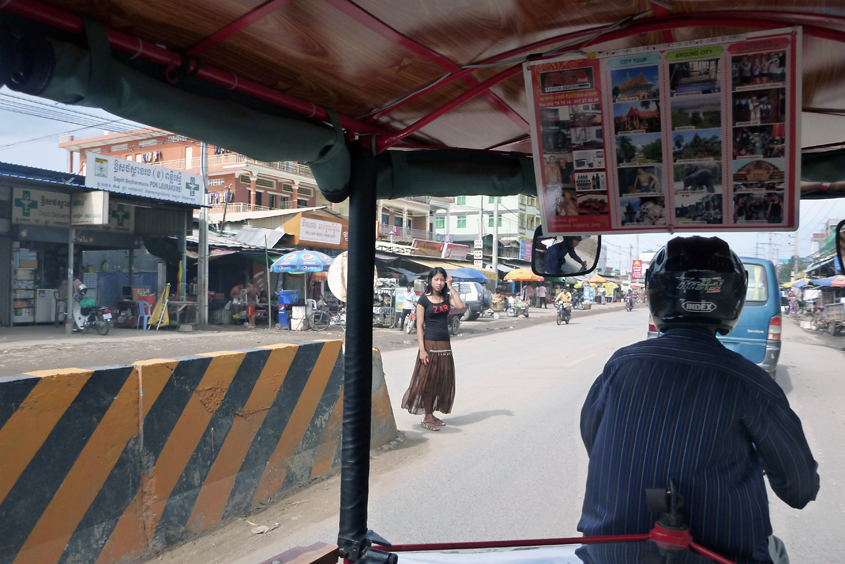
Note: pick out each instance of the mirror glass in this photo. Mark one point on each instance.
(564, 255)
(840, 246)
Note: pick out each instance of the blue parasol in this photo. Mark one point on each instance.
(302, 261)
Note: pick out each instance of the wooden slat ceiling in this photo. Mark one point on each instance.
(355, 56)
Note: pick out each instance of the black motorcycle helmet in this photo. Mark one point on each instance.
(696, 282)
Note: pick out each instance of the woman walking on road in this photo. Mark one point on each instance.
(432, 385)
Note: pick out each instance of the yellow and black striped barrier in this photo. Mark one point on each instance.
(105, 464)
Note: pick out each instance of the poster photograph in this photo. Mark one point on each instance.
(644, 211)
(759, 141)
(697, 145)
(590, 181)
(750, 71)
(637, 117)
(694, 135)
(697, 112)
(587, 137)
(640, 180)
(639, 149)
(555, 129)
(588, 160)
(698, 178)
(694, 207)
(694, 77)
(635, 84)
(756, 107)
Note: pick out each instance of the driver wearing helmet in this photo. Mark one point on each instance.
(682, 407)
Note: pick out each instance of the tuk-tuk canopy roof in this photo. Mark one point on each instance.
(277, 80)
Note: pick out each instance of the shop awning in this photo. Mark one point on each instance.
(819, 264)
(435, 263)
(259, 236)
(500, 266)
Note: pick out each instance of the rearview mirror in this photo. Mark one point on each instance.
(840, 247)
(568, 255)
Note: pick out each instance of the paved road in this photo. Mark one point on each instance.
(510, 463)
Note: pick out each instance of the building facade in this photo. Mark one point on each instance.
(235, 182)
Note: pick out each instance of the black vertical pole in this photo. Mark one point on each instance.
(358, 383)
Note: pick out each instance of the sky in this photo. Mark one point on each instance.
(33, 141)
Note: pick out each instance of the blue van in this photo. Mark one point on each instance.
(757, 334)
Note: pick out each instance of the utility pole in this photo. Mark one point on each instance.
(770, 246)
(795, 257)
(202, 259)
(630, 265)
(496, 237)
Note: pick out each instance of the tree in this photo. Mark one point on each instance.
(615, 92)
(626, 149)
(679, 142)
(654, 151)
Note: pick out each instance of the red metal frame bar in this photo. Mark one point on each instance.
(709, 554)
(660, 12)
(511, 543)
(237, 25)
(386, 141)
(65, 21)
(371, 22)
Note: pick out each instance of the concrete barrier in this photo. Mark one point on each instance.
(105, 464)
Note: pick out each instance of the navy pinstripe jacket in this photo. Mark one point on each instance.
(682, 407)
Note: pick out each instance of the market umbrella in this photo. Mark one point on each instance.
(523, 275)
(802, 283)
(838, 282)
(597, 279)
(302, 261)
(468, 274)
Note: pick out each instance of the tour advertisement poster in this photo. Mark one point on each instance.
(700, 135)
(568, 143)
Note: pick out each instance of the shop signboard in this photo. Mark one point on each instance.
(525, 249)
(697, 135)
(148, 181)
(318, 231)
(38, 207)
(89, 208)
(637, 270)
(121, 218)
(478, 264)
(427, 248)
(454, 251)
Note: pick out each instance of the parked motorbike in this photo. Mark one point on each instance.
(578, 301)
(91, 316)
(411, 321)
(564, 313)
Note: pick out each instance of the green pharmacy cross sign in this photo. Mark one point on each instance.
(26, 203)
(120, 214)
(192, 186)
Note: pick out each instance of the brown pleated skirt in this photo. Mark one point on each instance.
(433, 382)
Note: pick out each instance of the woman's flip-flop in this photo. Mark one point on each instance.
(429, 426)
(439, 422)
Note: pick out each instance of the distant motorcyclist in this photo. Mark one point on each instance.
(682, 407)
(564, 298)
(629, 298)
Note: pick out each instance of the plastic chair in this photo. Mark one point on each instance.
(311, 305)
(145, 310)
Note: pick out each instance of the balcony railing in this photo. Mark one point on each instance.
(240, 207)
(217, 163)
(405, 235)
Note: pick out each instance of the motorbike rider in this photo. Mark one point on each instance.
(629, 297)
(555, 259)
(682, 407)
(564, 298)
